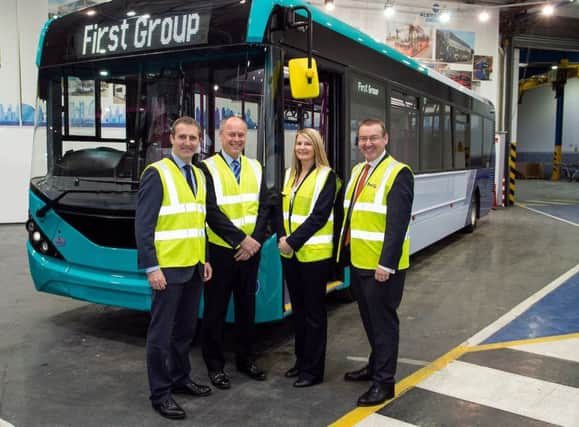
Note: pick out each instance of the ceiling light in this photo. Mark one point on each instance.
(103, 73)
(131, 13)
(91, 12)
(444, 17)
(484, 16)
(329, 5)
(554, 67)
(548, 10)
(389, 10)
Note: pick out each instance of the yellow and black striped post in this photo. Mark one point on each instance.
(557, 157)
(512, 167)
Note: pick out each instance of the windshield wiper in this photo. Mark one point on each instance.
(78, 180)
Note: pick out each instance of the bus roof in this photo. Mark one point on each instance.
(261, 10)
(72, 38)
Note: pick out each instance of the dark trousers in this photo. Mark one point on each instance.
(306, 282)
(239, 278)
(378, 302)
(174, 313)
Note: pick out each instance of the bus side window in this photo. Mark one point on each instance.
(403, 144)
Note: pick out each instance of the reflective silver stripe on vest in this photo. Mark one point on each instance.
(181, 208)
(300, 219)
(377, 206)
(240, 198)
(256, 170)
(317, 240)
(375, 236)
(248, 219)
(320, 181)
(382, 188)
(371, 207)
(171, 187)
(187, 233)
(218, 186)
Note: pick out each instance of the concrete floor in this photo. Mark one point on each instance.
(68, 363)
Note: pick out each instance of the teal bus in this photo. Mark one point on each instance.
(112, 78)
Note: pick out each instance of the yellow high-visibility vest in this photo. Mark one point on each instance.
(368, 219)
(180, 228)
(320, 245)
(238, 201)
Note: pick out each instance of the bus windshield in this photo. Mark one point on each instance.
(99, 124)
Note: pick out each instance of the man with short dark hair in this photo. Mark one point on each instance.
(170, 221)
(377, 211)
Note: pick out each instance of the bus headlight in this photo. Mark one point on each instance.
(39, 241)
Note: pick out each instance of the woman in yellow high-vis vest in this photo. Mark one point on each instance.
(305, 242)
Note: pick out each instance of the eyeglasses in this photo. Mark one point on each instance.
(371, 138)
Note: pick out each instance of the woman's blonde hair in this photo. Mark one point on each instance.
(320, 157)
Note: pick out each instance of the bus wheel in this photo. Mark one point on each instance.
(472, 215)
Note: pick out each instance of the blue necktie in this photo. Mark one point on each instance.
(236, 168)
(188, 177)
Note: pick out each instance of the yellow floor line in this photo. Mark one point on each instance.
(507, 344)
(358, 414)
(355, 416)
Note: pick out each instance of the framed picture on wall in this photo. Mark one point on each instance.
(482, 67)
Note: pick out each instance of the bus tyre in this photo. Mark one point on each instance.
(472, 215)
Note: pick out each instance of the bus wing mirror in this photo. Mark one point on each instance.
(304, 82)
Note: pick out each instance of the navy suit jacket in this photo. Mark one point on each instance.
(149, 199)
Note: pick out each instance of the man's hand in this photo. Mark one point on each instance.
(381, 275)
(284, 247)
(207, 272)
(157, 280)
(250, 245)
(247, 248)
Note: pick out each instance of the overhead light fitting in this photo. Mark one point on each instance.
(444, 17)
(329, 5)
(389, 10)
(548, 10)
(484, 16)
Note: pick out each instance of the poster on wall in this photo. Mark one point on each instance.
(454, 46)
(63, 7)
(482, 67)
(413, 40)
(461, 74)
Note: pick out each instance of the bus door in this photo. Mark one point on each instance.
(324, 114)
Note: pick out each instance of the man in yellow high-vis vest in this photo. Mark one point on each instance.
(170, 218)
(377, 211)
(240, 192)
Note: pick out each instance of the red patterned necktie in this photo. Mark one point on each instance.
(359, 187)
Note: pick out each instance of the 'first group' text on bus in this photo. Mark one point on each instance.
(143, 33)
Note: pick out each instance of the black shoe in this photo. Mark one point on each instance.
(359, 375)
(302, 382)
(376, 395)
(292, 372)
(251, 370)
(220, 379)
(170, 409)
(192, 389)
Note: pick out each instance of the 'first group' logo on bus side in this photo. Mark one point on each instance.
(144, 32)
